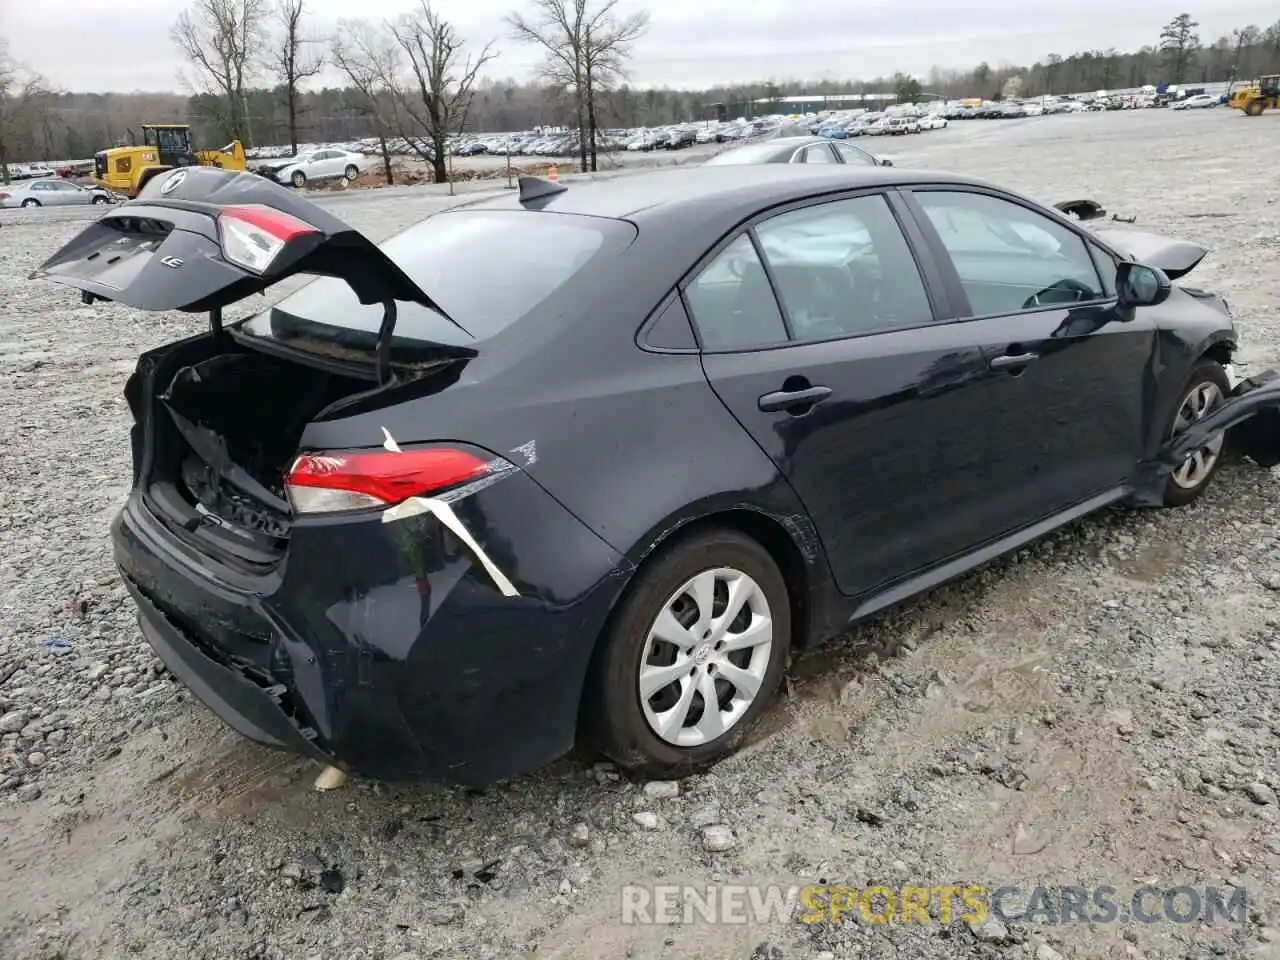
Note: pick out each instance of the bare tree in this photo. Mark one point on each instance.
(442, 78)
(370, 59)
(296, 58)
(557, 26)
(607, 44)
(586, 51)
(224, 40)
(23, 96)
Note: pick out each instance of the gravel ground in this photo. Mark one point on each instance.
(1100, 709)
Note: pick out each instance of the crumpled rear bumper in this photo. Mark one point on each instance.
(1251, 419)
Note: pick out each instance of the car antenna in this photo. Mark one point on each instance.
(535, 188)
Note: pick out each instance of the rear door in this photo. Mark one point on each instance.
(1067, 368)
(821, 332)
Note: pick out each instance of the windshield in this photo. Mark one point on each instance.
(486, 269)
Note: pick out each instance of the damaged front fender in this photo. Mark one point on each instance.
(1250, 417)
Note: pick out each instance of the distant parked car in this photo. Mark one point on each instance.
(328, 163)
(1198, 102)
(899, 126)
(799, 150)
(51, 192)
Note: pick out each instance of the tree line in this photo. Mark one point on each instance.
(413, 77)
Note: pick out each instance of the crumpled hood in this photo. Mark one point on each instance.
(1176, 258)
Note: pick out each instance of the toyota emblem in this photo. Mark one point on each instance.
(174, 181)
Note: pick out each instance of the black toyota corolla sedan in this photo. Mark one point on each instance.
(587, 462)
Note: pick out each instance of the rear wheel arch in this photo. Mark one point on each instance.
(765, 530)
(598, 726)
(777, 541)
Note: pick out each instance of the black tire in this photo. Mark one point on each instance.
(352, 172)
(613, 720)
(1206, 371)
(1254, 108)
(98, 199)
(31, 202)
(298, 179)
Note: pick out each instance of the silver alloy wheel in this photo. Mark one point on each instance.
(705, 657)
(1196, 405)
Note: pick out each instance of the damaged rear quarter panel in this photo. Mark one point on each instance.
(612, 443)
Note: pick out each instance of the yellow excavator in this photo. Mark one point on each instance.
(126, 170)
(1259, 96)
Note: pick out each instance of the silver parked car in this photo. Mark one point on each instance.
(51, 192)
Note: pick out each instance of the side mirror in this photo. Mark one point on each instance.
(1138, 285)
(884, 161)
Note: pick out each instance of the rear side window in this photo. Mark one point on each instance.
(487, 270)
(844, 269)
(732, 302)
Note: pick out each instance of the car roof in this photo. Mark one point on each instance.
(794, 142)
(693, 192)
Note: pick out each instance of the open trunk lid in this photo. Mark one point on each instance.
(201, 238)
(219, 419)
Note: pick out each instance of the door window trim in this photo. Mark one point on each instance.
(947, 268)
(933, 281)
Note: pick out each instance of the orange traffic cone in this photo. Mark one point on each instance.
(552, 173)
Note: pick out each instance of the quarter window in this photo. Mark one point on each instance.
(843, 269)
(1011, 259)
(732, 303)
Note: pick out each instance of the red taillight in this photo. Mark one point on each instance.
(323, 483)
(253, 235)
(5, 196)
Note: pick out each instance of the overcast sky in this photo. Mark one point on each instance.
(124, 45)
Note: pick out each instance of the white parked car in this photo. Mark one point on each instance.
(51, 192)
(1197, 103)
(933, 121)
(326, 163)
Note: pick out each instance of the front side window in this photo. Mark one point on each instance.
(820, 153)
(844, 269)
(731, 301)
(1010, 258)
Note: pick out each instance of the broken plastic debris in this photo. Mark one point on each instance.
(57, 645)
(416, 506)
(331, 778)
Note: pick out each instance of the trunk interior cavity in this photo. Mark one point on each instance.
(225, 430)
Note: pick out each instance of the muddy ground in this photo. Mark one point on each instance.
(1101, 709)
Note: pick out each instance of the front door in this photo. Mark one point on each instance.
(1066, 366)
(819, 335)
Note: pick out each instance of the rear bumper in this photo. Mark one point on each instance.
(249, 708)
(386, 648)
